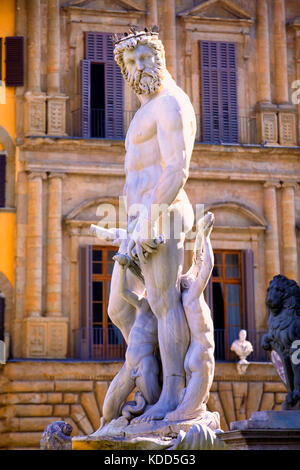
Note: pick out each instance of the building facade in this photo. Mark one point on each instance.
(8, 79)
(238, 61)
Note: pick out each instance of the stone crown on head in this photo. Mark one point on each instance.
(152, 31)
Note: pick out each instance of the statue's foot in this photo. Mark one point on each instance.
(156, 412)
(176, 415)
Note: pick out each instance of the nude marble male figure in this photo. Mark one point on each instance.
(159, 145)
(199, 361)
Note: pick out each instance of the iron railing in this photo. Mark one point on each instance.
(247, 126)
(99, 343)
(97, 122)
(247, 132)
(107, 344)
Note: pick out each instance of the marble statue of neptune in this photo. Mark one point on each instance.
(159, 145)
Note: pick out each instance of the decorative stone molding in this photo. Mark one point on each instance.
(267, 124)
(287, 128)
(9, 150)
(45, 337)
(56, 115)
(35, 113)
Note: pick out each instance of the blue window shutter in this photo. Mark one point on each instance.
(219, 92)
(85, 98)
(99, 48)
(85, 301)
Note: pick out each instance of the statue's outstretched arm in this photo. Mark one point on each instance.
(207, 264)
(131, 297)
(112, 235)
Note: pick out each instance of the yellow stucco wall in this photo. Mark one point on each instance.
(7, 28)
(7, 244)
(7, 120)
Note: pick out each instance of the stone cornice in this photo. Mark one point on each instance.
(218, 21)
(260, 163)
(63, 144)
(77, 14)
(226, 4)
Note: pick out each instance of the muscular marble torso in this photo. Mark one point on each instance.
(144, 161)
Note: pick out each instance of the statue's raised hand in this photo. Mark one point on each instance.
(142, 240)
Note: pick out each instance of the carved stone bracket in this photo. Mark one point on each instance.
(56, 115)
(287, 127)
(35, 113)
(267, 124)
(45, 337)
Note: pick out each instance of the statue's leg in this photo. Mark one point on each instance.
(162, 272)
(202, 365)
(118, 391)
(147, 381)
(121, 313)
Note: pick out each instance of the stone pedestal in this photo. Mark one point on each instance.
(119, 434)
(265, 430)
(45, 337)
(35, 114)
(56, 115)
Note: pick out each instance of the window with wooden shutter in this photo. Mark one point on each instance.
(14, 61)
(102, 89)
(0, 59)
(2, 179)
(227, 300)
(219, 92)
(98, 336)
(2, 310)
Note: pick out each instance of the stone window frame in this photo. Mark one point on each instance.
(196, 29)
(6, 289)
(83, 20)
(9, 151)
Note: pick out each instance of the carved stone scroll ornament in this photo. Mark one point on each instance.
(57, 436)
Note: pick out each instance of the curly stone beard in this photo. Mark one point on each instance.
(145, 82)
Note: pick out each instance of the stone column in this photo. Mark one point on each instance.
(35, 119)
(170, 35)
(266, 112)
(56, 109)
(20, 262)
(44, 336)
(34, 246)
(280, 53)
(263, 53)
(272, 261)
(290, 259)
(54, 246)
(152, 17)
(286, 112)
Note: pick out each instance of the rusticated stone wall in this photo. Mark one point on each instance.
(34, 393)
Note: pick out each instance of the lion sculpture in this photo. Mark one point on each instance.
(283, 336)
